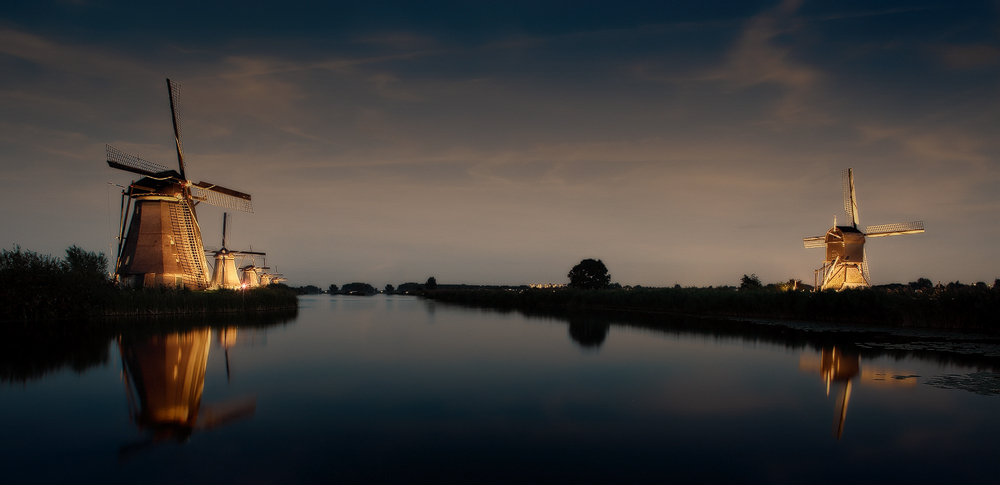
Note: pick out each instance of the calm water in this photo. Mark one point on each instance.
(395, 389)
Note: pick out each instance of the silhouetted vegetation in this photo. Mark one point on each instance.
(409, 287)
(953, 306)
(589, 274)
(358, 289)
(304, 290)
(751, 282)
(35, 287)
(432, 283)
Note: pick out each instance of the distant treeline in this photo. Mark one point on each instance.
(35, 287)
(956, 305)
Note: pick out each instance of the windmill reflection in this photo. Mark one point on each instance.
(165, 378)
(836, 368)
(841, 369)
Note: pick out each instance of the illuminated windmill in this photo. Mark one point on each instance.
(846, 265)
(225, 275)
(163, 244)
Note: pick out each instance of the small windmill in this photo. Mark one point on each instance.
(846, 265)
(225, 275)
(163, 244)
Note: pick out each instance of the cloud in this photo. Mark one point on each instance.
(758, 59)
(77, 60)
(969, 56)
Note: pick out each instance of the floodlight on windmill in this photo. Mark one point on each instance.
(159, 241)
(846, 263)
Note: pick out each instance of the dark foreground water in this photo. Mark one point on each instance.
(395, 389)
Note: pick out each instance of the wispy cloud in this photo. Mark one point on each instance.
(968, 56)
(758, 58)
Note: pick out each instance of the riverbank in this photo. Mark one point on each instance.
(961, 307)
(37, 287)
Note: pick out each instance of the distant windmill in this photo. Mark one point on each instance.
(163, 244)
(225, 275)
(846, 265)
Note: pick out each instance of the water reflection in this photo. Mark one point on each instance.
(839, 369)
(588, 333)
(165, 378)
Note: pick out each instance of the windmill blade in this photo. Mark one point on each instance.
(850, 200)
(248, 253)
(174, 90)
(221, 196)
(131, 163)
(897, 229)
(227, 412)
(814, 242)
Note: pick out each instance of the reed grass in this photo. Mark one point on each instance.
(41, 287)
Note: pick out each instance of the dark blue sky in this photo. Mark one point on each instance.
(502, 142)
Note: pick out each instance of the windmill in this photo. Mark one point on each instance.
(225, 275)
(163, 244)
(846, 265)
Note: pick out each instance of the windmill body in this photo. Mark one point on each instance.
(225, 274)
(846, 264)
(162, 244)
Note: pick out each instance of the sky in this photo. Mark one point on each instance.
(502, 142)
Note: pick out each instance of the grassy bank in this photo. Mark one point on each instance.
(958, 307)
(40, 287)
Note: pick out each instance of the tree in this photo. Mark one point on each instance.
(751, 282)
(432, 283)
(333, 289)
(389, 288)
(86, 265)
(589, 275)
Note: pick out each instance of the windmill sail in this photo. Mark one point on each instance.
(850, 200)
(131, 163)
(221, 196)
(174, 90)
(814, 242)
(897, 229)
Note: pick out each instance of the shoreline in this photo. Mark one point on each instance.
(975, 310)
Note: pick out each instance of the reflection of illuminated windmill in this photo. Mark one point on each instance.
(834, 366)
(163, 245)
(166, 375)
(846, 265)
(225, 275)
